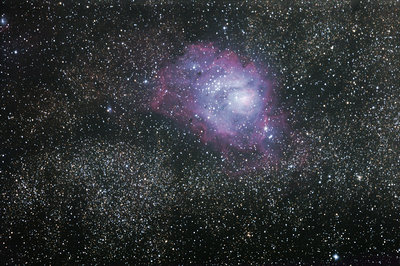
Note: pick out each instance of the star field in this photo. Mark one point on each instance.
(206, 132)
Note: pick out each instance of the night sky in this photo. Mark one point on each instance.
(207, 132)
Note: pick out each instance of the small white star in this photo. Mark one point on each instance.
(335, 256)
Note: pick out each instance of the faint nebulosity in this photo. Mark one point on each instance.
(206, 132)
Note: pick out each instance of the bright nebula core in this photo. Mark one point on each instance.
(222, 98)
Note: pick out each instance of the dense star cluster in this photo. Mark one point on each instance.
(219, 132)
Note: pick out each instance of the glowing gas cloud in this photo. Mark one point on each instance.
(223, 99)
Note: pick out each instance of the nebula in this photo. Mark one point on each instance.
(222, 98)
